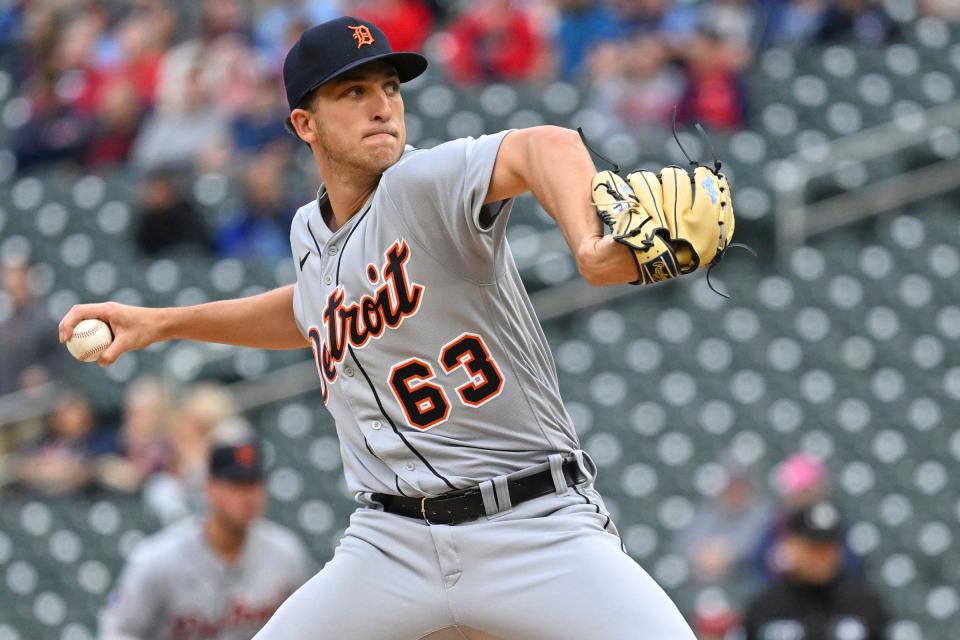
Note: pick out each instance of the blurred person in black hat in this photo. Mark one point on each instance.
(816, 599)
(166, 218)
(29, 356)
(219, 577)
(180, 490)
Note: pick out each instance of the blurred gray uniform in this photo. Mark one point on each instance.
(439, 377)
(175, 587)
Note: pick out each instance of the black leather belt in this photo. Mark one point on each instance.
(464, 505)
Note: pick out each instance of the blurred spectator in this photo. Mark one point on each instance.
(171, 495)
(719, 542)
(115, 126)
(734, 21)
(62, 462)
(816, 597)
(11, 23)
(275, 19)
(78, 80)
(241, 565)
(166, 219)
(581, 26)
(716, 94)
(186, 131)
(260, 228)
(946, 9)
(35, 42)
(674, 21)
(494, 41)
(260, 123)
(406, 23)
(54, 131)
(30, 353)
(635, 85)
(858, 20)
(715, 619)
(792, 22)
(74, 62)
(220, 62)
(801, 480)
(143, 438)
(133, 51)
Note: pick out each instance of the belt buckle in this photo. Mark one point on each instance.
(423, 510)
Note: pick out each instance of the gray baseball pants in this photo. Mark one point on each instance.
(546, 569)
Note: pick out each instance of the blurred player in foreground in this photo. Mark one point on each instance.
(479, 516)
(219, 578)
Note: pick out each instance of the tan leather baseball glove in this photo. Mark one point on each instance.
(675, 222)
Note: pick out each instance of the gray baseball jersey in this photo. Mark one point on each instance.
(431, 359)
(175, 587)
(438, 375)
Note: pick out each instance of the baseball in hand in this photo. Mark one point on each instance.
(90, 337)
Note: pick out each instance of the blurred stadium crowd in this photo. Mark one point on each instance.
(160, 93)
(157, 86)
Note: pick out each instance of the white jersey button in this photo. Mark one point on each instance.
(376, 425)
(332, 250)
(409, 466)
(348, 371)
(328, 279)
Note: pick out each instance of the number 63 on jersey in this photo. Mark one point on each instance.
(425, 403)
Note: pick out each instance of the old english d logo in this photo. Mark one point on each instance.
(362, 35)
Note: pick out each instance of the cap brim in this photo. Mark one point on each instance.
(409, 65)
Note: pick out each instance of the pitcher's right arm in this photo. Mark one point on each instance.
(263, 321)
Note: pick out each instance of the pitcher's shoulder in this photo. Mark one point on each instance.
(416, 162)
(304, 229)
(305, 212)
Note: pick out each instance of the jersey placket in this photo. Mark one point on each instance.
(380, 426)
(350, 371)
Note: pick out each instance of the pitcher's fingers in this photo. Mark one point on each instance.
(109, 355)
(77, 313)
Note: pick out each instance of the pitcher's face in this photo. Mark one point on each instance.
(358, 118)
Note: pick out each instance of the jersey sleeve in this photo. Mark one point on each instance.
(133, 609)
(438, 194)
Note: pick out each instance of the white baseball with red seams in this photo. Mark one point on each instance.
(90, 337)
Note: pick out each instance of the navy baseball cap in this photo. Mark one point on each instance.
(325, 51)
(818, 522)
(240, 462)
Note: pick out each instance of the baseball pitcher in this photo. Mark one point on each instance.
(478, 516)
